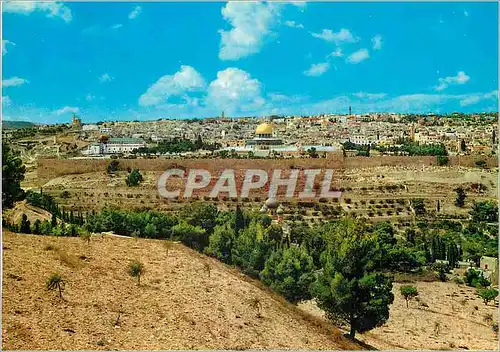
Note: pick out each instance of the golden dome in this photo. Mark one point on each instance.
(264, 128)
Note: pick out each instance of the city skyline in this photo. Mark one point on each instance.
(128, 61)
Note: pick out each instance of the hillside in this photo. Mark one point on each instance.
(446, 316)
(179, 304)
(33, 213)
(6, 124)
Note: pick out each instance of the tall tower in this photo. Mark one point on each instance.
(350, 111)
(412, 132)
(222, 115)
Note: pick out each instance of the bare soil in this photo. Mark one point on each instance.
(184, 301)
(446, 316)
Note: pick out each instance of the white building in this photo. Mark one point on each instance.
(115, 146)
(90, 128)
(123, 145)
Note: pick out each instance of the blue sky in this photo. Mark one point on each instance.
(126, 61)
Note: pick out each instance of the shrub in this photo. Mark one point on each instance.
(442, 160)
(257, 305)
(408, 293)
(55, 282)
(64, 194)
(112, 166)
(480, 163)
(134, 178)
(85, 236)
(475, 278)
(441, 269)
(136, 269)
(487, 295)
(289, 272)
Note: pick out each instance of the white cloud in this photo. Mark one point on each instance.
(66, 110)
(234, 90)
(14, 82)
(6, 101)
(116, 26)
(299, 4)
(277, 98)
(5, 43)
(135, 12)
(476, 98)
(358, 56)
(460, 78)
(377, 42)
(52, 8)
(252, 24)
(371, 96)
(185, 80)
(105, 77)
(317, 69)
(336, 53)
(293, 24)
(342, 36)
(410, 103)
(89, 97)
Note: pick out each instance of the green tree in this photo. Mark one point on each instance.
(481, 163)
(199, 143)
(452, 255)
(442, 160)
(53, 220)
(12, 175)
(460, 200)
(408, 292)
(475, 278)
(192, 236)
(239, 220)
(25, 226)
(484, 211)
(289, 272)
(55, 282)
(418, 206)
(250, 250)
(349, 288)
(441, 269)
(136, 269)
(46, 227)
(221, 243)
(134, 178)
(463, 146)
(202, 215)
(487, 295)
(150, 231)
(37, 227)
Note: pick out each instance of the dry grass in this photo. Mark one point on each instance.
(177, 305)
(443, 317)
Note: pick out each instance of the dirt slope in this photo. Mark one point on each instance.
(177, 306)
(15, 214)
(447, 316)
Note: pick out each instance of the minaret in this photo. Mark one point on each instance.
(350, 111)
(222, 115)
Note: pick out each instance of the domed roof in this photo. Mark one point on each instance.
(272, 203)
(264, 128)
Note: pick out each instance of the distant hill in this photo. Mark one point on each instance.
(17, 124)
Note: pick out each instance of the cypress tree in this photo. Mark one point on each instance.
(53, 221)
